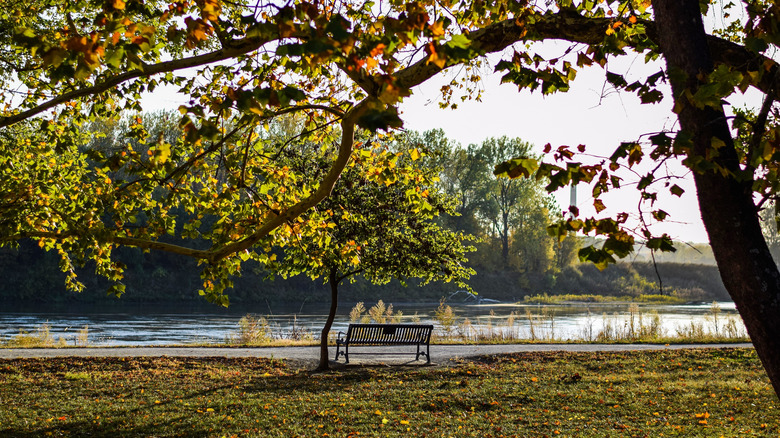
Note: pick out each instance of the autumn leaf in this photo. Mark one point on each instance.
(434, 57)
(437, 29)
(197, 31)
(376, 51)
(209, 9)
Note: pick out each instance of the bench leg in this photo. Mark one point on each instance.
(344, 353)
(423, 353)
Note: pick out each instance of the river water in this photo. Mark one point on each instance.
(144, 325)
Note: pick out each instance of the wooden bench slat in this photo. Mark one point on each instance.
(385, 334)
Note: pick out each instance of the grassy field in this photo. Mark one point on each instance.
(670, 393)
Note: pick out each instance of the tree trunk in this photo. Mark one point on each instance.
(505, 238)
(726, 202)
(334, 303)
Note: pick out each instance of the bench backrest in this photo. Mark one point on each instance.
(389, 333)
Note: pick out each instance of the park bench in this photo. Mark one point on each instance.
(385, 334)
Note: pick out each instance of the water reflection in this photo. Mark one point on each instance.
(164, 325)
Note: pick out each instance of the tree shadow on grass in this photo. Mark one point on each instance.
(219, 388)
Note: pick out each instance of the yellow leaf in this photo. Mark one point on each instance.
(118, 4)
(162, 153)
(415, 154)
(437, 28)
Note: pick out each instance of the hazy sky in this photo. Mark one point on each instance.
(591, 113)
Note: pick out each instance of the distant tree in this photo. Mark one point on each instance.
(566, 251)
(464, 177)
(515, 208)
(380, 224)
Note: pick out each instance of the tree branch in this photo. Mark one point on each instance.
(240, 47)
(348, 125)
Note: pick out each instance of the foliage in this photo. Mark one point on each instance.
(510, 215)
(701, 392)
(31, 275)
(78, 63)
(445, 317)
(380, 224)
(251, 331)
(379, 313)
(518, 209)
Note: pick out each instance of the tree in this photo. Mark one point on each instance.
(463, 177)
(746, 265)
(350, 63)
(382, 225)
(727, 178)
(515, 207)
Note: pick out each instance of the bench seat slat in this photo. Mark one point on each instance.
(385, 334)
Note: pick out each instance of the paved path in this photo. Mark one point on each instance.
(440, 354)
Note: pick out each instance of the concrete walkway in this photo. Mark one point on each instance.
(440, 354)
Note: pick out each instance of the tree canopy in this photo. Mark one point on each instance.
(344, 66)
(382, 224)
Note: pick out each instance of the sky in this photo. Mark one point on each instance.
(591, 113)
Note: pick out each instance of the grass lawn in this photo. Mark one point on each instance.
(666, 393)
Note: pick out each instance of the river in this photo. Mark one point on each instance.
(152, 324)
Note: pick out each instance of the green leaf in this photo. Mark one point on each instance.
(652, 96)
(660, 215)
(617, 80)
(663, 243)
(114, 57)
(460, 41)
(661, 139)
(758, 45)
(599, 257)
(645, 181)
(517, 167)
(116, 290)
(380, 119)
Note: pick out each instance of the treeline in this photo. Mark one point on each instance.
(513, 257)
(32, 275)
